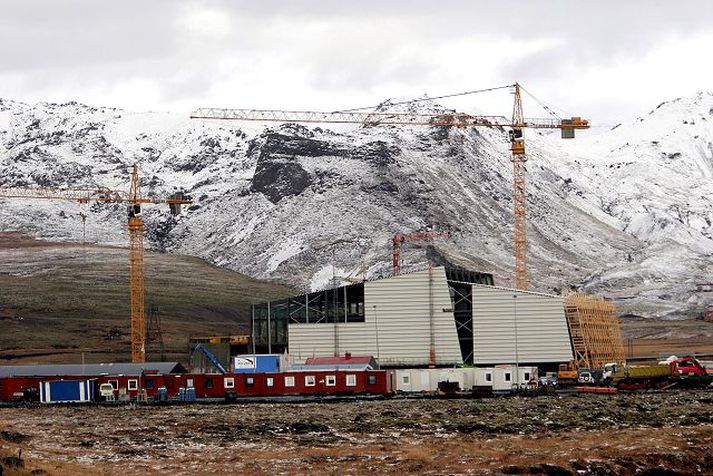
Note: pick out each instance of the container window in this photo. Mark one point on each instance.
(508, 377)
(372, 379)
(290, 381)
(149, 384)
(405, 379)
(189, 383)
(249, 381)
(209, 383)
(488, 376)
(270, 382)
(229, 382)
(114, 384)
(331, 380)
(133, 384)
(527, 376)
(351, 380)
(310, 381)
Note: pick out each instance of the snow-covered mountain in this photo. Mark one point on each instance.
(627, 213)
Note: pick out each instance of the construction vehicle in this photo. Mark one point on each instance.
(400, 238)
(134, 201)
(213, 359)
(366, 116)
(567, 374)
(679, 372)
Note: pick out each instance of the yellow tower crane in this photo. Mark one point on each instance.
(516, 124)
(134, 200)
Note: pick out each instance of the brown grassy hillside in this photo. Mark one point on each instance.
(59, 300)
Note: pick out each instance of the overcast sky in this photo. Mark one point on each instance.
(606, 60)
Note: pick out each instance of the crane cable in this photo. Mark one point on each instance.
(465, 93)
(543, 105)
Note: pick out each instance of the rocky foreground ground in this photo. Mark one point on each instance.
(595, 435)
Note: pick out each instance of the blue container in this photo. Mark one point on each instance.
(256, 363)
(67, 391)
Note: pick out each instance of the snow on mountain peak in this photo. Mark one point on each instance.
(623, 213)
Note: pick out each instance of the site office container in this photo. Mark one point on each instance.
(132, 384)
(13, 388)
(337, 382)
(251, 363)
(67, 391)
(508, 377)
(427, 380)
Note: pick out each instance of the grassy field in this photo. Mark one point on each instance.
(59, 301)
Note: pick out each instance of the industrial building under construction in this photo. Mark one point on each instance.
(441, 316)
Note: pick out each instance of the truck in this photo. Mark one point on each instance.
(679, 372)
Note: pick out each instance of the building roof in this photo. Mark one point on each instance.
(328, 367)
(89, 370)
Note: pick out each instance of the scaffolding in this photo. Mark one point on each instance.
(595, 331)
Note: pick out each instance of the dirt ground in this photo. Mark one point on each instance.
(591, 435)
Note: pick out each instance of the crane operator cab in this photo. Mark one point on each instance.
(517, 142)
(134, 210)
(175, 208)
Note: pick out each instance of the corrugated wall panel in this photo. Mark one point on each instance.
(510, 325)
(399, 308)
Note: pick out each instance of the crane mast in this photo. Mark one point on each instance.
(136, 270)
(517, 147)
(517, 123)
(400, 238)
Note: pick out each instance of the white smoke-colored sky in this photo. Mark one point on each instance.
(606, 60)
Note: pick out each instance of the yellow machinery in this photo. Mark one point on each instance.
(516, 124)
(134, 200)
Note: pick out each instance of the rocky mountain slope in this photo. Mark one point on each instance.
(627, 213)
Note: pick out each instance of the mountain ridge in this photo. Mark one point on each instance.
(300, 204)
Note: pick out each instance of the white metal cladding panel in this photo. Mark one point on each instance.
(537, 320)
(399, 308)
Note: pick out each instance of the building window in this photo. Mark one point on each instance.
(508, 377)
(189, 383)
(149, 384)
(290, 381)
(270, 382)
(229, 382)
(310, 381)
(372, 380)
(488, 376)
(405, 379)
(331, 380)
(114, 384)
(133, 384)
(351, 380)
(527, 376)
(249, 381)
